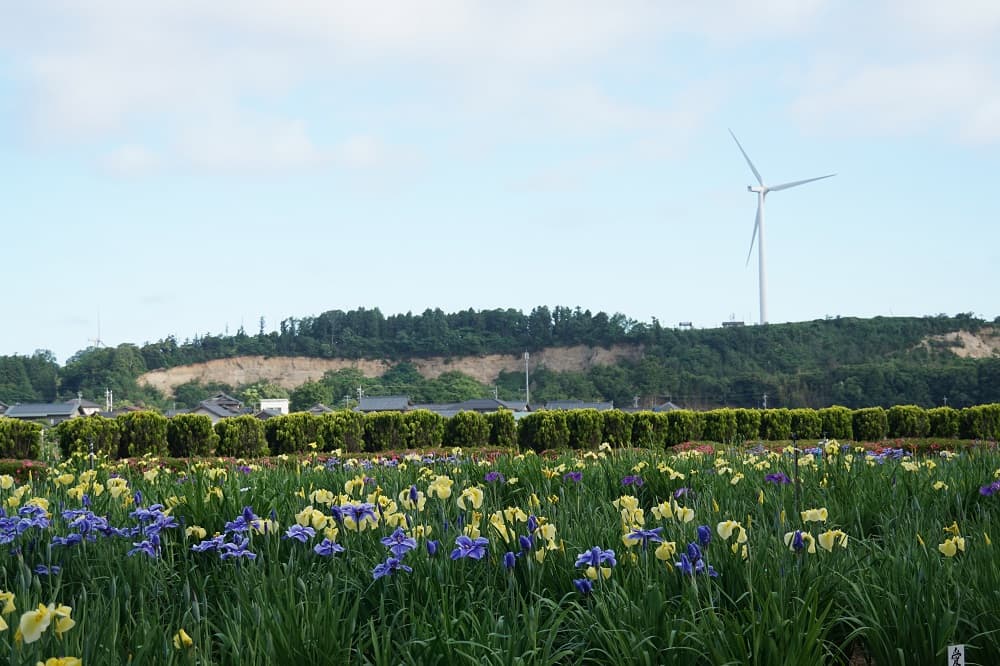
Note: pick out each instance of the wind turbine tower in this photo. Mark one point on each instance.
(758, 226)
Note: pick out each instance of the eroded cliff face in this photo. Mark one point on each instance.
(292, 371)
(984, 344)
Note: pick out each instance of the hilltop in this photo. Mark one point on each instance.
(439, 357)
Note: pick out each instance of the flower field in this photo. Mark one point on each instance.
(837, 554)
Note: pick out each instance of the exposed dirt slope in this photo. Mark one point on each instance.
(291, 371)
(984, 344)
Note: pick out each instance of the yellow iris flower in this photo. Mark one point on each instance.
(952, 546)
(831, 538)
(815, 515)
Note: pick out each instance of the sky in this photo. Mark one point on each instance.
(187, 167)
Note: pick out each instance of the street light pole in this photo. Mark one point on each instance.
(527, 389)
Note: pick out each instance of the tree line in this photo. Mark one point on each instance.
(847, 361)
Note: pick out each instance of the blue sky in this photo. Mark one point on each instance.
(184, 167)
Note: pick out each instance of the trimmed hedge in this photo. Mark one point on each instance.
(806, 423)
(543, 430)
(870, 424)
(291, 433)
(341, 430)
(503, 428)
(424, 429)
(142, 433)
(76, 436)
(776, 424)
(981, 422)
(838, 422)
(241, 437)
(908, 421)
(384, 431)
(467, 429)
(720, 426)
(20, 439)
(649, 430)
(617, 427)
(586, 428)
(190, 435)
(944, 422)
(747, 424)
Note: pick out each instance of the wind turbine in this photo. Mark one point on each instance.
(758, 225)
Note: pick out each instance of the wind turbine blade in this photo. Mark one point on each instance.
(756, 225)
(747, 158)
(785, 186)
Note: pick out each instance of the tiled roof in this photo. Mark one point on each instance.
(39, 410)
(387, 403)
(579, 404)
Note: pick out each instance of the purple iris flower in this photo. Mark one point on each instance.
(990, 489)
(494, 477)
(645, 536)
(532, 524)
(146, 547)
(779, 478)
(632, 480)
(236, 549)
(68, 540)
(509, 559)
(798, 543)
(704, 535)
(215, 543)
(583, 585)
(327, 548)
(468, 547)
(358, 512)
(389, 567)
(398, 543)
(682, 491)
(432, 547)
(692, 563)
(526, 542)
(595, 557)
(300, 533)
(43, 570)
(243, 522)
(575, 477)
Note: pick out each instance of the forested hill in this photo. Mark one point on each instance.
(849, 361)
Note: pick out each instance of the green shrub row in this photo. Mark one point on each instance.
(141, 433)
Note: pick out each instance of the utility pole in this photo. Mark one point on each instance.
(765, 401)
(361, 393)
(527, 383)
(946, 401)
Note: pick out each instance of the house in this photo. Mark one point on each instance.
(51, 413)
(266, 414)
(579, 404)
(87, 407)
(279, 405)
(481, 405)
(3, 408)
(218, 407)
(386, 403)
(319, 409)
(666, 407)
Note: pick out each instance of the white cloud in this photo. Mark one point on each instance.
(893, 99)
(130, 160)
